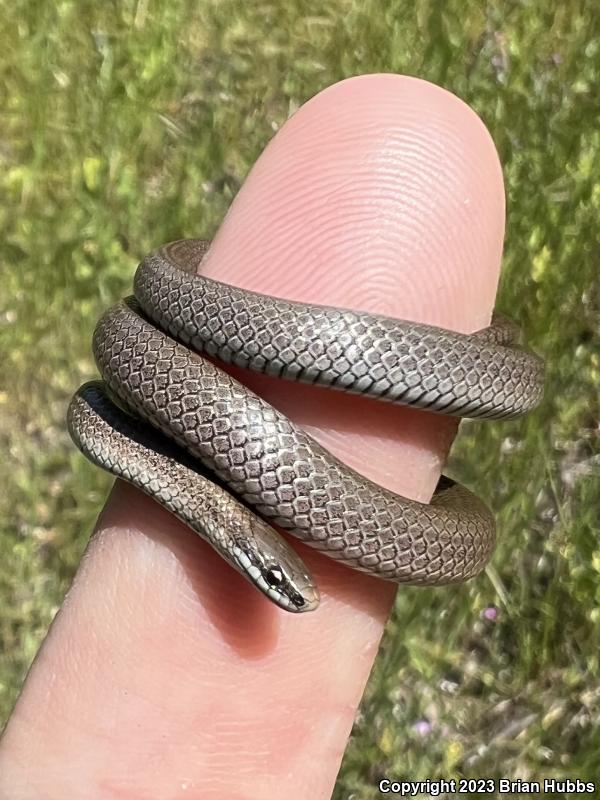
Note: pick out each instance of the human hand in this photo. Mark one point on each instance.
(382, 193)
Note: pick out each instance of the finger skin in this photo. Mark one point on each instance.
(164, 674)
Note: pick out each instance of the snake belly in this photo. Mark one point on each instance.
(148, 350)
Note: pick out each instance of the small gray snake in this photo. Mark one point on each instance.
(215, 452)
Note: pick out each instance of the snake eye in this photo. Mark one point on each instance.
(274, 576)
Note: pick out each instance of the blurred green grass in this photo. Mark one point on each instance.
(125, 125)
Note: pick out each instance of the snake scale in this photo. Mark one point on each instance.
(226, 462)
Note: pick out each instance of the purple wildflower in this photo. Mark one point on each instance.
(422, 728)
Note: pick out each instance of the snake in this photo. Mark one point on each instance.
(168, 419)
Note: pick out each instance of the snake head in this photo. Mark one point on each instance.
(268, 562)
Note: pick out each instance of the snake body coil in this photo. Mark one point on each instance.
(271, 465)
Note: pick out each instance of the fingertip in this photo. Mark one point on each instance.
(382, 192)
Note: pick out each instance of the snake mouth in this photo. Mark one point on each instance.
(282, 577)
(308, 600)
(296, 599)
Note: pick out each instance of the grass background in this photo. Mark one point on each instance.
(125, 124)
